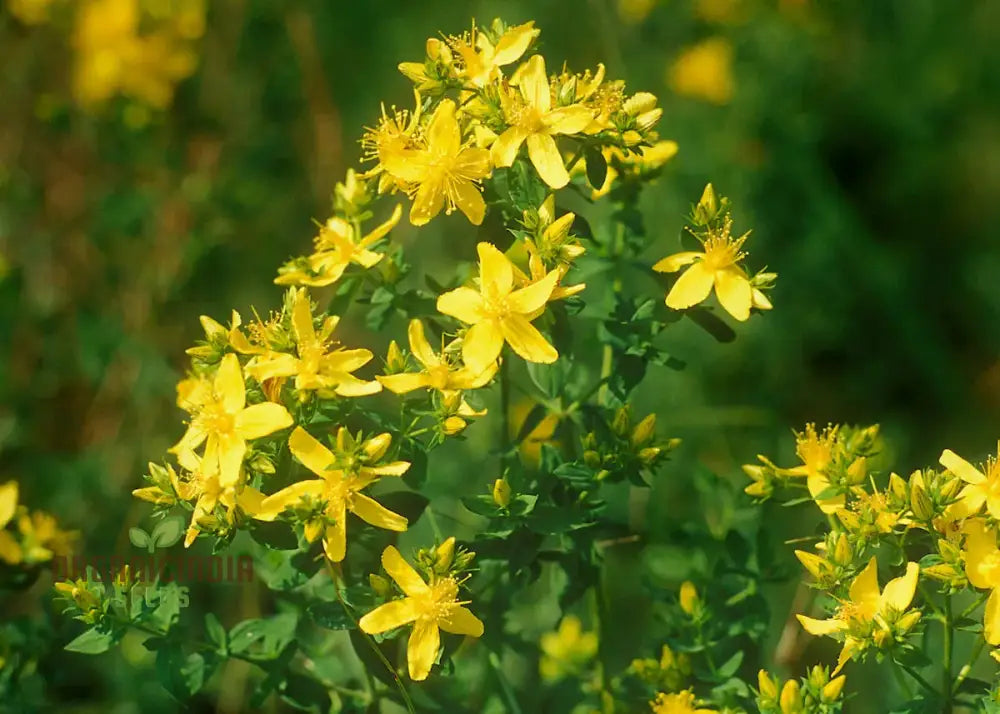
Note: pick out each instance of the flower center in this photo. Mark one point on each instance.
(439, 602)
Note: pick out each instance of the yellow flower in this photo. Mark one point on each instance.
(983, 487)
(444, 172)
(567, 650)
(337, 246)
(431, 607)
(704, 71)
(397, 131)
(982, 567)
(207, 491)
(439, 373)
(716, 266)
(689, 601)
(679, 703)
(342, 476)
(817, 452)
(866, 608)
(533, 119)
(223, 421)
(10, 550)
(482, 61)
(635, 11)
(498, 313)
(315, 366)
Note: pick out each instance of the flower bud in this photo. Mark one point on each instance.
(920, 503)
(897, 486)
(950, 488)
(842, 551)
(380, 585)
(639, 103)
(647, 120)
(708, 207)
(621, 422)
(444, 555)
(453, 425)
(689, 601)
(592, 458)
(857, 471)
(767, 686)
(501, 492)
(790, 701)
(831, 692)
(648, 455)
(394, 360)
(882, 637)
(907, 621)
(631, 137)
(817, 566)
(644, 430)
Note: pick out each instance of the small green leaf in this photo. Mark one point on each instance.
(93, 641)
(139, 537)
(167, 532)
(182, 676)
(216, 632)
(597, 167)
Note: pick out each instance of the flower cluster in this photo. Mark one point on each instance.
(28, 538)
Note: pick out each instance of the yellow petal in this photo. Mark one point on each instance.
(10, 550)
(272, 506)
(533, 297)
(302, 320)
(403, 383)
(427, 203)
(527, 341)
(376, 447)
(960, 467)
(673, 263)
(350, 386)
(405, 576)
(820, 628)
(274, 364)
(262, 419)
(472, 164)
(384, 228)
(443, 134)
(8, 502)
(864, 589)
(505, 148)
(898, 592)
(496, 274)
(514, 43)
(335, 540)
(981, 555)
(482, 345)
(419, 345)
(345, 360)
(734, 292)
(692, 287)
(466, 196)
(461, 621)
(231, 450)
(464, 304)
(534, 84)
(389, 616)
(422, 649)
(371, 511)
(547, 160)
(393, 468)
(568, 120)
(991, 619)
(307, 449)
(229, 384)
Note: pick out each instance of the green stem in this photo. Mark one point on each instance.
(946, 676)
(963, 673)
(505, 689)
(974, 606)
(335, 575)
(504, 440)
(920, 680)
(607, 355)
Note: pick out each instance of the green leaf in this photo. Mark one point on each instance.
(181, 675)
(274, 535)
(408, 504)
(331, 615)
(268, 636)
(597, 167)
(93, 641)
(304, 694)
(712, 324)
(729, 668)
(167, 532)
(139, 537)
(216, 632)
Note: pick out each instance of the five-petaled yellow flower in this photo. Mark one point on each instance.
(717, 265)
(338, 245)
(533, 119)
(867, 608)
(498, 313)
(342, 477)
(982, 566)
(679, 703)
(438, 373)
(482, 61)
(431, 607)
(316, 366)
(444, 173)
(223, 419)
(983, 487)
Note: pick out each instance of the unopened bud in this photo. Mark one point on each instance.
(592, 458)
(380, 585)
(790, 701)
(831, 692)
(445, 554)
(920, 503)
(689, 600)
(882, 637)
(907, 621)
(453, 425)
(639, 103)
(842, 551)
(647, 120)
(857, 471)
(767, 686)
(501, 492)
(644, 430)
(621, 422)
(648, 455)
(394, 360)
(817, 566)
(898, 487)
(708, 206)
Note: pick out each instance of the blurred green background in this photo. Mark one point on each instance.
(859, 140)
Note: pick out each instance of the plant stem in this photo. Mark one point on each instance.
(504, 415)
(920, 680)
(335, 575)
(946, 683)
(505, 689)
(963, 673)
(901, 680)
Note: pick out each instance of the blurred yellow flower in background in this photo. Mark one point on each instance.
(567, 650)
(704, 71)
(679, 703)
(635, 11)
